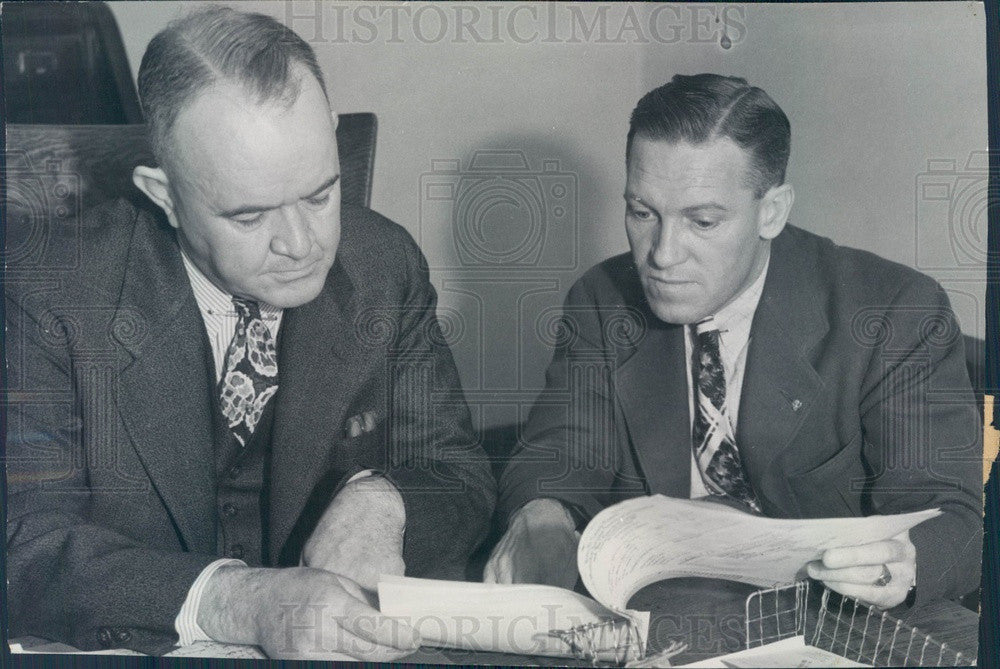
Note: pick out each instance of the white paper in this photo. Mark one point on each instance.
(221, 650)
(791, 652)
(495, 617)
(61, 648)
(648, 539)
(197, 649)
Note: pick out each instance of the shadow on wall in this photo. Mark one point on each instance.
(508, 227)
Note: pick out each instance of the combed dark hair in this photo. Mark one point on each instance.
(704, 107)
(212, 44)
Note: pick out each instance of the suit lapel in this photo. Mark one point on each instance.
(320, 363)
(652, 389)
(780, 386)
(165, 391)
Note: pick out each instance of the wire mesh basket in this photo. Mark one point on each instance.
(864, 634)
(846, 627)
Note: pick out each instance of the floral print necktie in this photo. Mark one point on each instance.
(250, 378)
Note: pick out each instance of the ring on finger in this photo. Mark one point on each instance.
(885, 578)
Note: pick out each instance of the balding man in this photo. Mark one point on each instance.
(259, 453)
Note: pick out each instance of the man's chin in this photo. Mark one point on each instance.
(676, 314)
(289, 296)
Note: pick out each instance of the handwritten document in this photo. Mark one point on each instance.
(624, 548)
(648, 539)
(218, 650)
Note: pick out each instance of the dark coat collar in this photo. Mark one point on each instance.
(166, 391)
(780, 385)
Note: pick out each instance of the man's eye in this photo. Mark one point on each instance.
(319, 200)
(248, 219)
(705, 224)
(639, 214)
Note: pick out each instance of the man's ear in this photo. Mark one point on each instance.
(775, 207)
(154, 183)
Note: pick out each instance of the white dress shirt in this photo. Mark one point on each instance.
(221, 318)
(733, 321)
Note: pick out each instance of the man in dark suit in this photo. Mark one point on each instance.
(255, 379)
(734, 357)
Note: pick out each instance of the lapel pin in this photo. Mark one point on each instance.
(796, 405)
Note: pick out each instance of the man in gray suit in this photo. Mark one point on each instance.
(733, 357)
(238, 427)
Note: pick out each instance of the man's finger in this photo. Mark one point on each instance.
(368, 624)
(393, 566)
(338, 643)
(504, 569)
(863, 575)
(490, 570)
(877, 553)
(882, 597)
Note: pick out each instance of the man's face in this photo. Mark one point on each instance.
(256, 191)
(696, 229)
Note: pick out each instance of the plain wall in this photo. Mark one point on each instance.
(873, 92)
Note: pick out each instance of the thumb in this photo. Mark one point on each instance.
(369, 624)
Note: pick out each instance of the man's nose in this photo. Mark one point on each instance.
(667, 249)
(293, 235)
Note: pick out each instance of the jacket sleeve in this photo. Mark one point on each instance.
(435, 459)
(570, 449)
(71, 576)
(923, 438)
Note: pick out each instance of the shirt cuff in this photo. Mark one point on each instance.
(186, 622)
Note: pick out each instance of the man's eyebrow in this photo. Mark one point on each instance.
(258, 208)
(687, 211)
(326, 184)
(632, 196)
(702, 208)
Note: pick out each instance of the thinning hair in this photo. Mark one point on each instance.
(217, 44)
(704, 107)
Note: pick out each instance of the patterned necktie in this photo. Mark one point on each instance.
(712, 434)
(250, 378)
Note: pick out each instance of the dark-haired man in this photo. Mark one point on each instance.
(219, 452)
(736, 357)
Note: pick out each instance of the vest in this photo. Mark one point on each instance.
(240, 490)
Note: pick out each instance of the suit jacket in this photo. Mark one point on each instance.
(111, 477)
(856, 401)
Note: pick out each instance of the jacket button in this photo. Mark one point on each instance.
(236, 551)
(104, 637)
(123, 636)
(229, 509)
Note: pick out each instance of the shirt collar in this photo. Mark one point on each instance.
(740, 311)
(211, 299)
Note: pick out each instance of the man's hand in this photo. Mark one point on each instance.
(300, 613)
(360, 535)
(538, 547)
(853, 571)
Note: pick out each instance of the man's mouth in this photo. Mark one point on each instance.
(669, 281)
(296, 272)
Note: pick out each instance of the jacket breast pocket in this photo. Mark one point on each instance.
(833, 488)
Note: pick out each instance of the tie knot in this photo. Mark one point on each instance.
(247, 309)
(706, 330)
